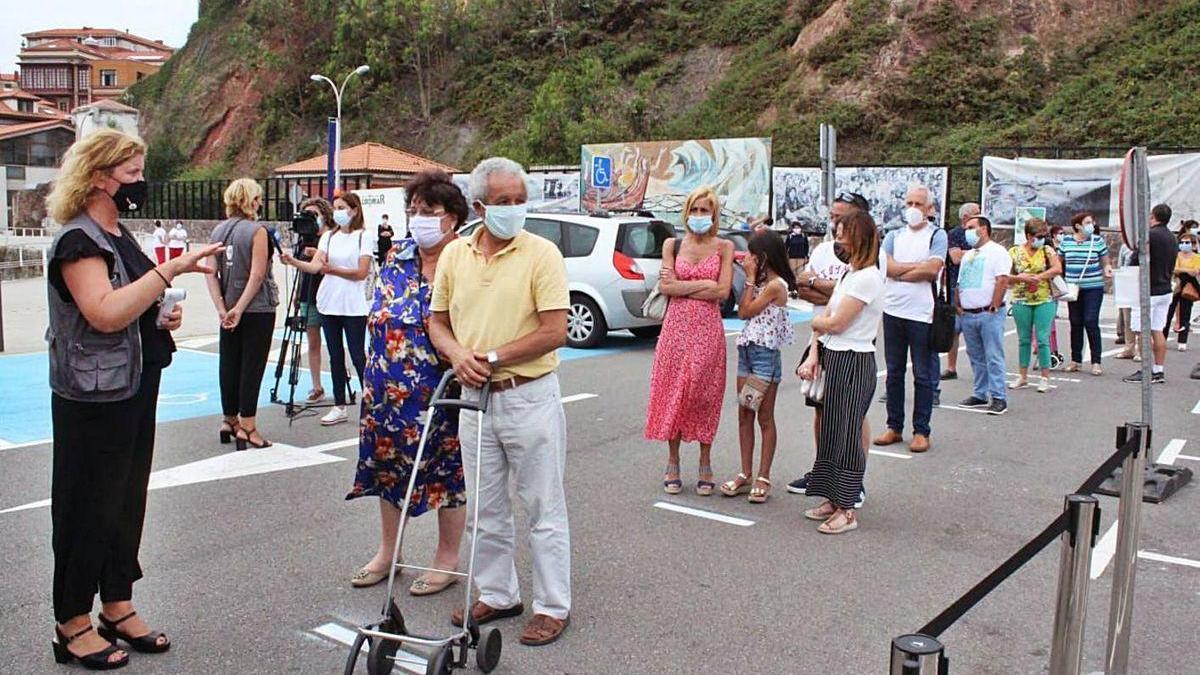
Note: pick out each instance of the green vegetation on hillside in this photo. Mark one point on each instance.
(460, 80)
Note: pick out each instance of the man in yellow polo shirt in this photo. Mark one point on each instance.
(499, 307)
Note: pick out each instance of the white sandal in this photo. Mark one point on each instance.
(735, 487)
(759, 495)
(849, 522)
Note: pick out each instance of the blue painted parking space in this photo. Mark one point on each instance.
(190, 388)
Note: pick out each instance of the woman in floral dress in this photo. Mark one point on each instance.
(687, 384)
(403, 368)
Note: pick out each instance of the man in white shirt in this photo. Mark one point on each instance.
(982, 283)
(914, 257)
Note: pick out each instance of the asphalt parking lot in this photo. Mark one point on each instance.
(248, 555)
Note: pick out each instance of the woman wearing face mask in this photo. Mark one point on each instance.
(344, 257)
(107, 349)
(245, 295)
(687, 384)
(403, 369)
(1085, 262)
(1034, 265)
(323, 212)
(1187, 286)
(1186, 227)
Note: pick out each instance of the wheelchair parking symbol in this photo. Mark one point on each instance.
(602, 172)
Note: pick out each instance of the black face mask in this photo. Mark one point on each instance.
(841, 253)
(131, 196)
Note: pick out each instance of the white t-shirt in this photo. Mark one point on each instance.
(178, 237)
(866, 285)
(913, 300)
(338, 296)
(160, 237)
(825, 265)
(978, 272)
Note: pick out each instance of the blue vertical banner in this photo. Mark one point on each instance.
(329, 177)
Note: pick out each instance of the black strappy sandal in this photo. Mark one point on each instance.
(94, 661)
(146, 644)
(246, 441)
(226, 433)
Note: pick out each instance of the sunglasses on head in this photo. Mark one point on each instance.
(853, 199)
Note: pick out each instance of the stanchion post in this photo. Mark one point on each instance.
(1074, 571)
(1120, 615)
(917, 654)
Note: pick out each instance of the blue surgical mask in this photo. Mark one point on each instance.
(342, 218)
(505, 221)
(699, 224)
(1039, 242)
(972, 237)
(1185, 247)
(1089, 229)
(320, 221)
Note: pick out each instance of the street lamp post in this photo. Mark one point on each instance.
(337, 96)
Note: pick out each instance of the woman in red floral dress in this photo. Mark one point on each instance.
(687, 385)
(402, 370)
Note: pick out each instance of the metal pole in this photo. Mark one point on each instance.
(1, 315)
(917, 654)
(1074, 571)
(337, 143)
(1120, 615)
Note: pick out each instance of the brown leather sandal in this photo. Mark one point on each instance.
(543, 629)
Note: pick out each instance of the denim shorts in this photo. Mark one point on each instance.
(765, 364)
(309, 311)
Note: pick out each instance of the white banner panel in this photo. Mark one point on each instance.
(797, 192)
(549, 191)
(1065, 187)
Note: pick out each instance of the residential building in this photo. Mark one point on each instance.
(105, 114)
(73, 67)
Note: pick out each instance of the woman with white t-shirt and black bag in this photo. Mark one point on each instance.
(344, 257)
(846, 356)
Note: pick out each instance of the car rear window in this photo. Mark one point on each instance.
(644, 239)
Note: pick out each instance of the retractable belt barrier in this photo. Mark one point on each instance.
(955, 611)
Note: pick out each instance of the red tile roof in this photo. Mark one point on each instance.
(87, 31)
(107, 104)
(16, 130)
(368, 158)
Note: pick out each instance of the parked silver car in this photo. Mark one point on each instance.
(612, 263)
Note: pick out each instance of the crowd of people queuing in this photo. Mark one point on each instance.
(491, 306)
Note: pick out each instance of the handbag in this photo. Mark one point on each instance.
(1061, 289)
(814, 389)
(941, 330)
(1189, 290)
(752, 393)
(655, 305)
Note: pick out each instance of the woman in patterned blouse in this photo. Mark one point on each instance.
(403, 368)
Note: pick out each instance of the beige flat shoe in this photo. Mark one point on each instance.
(822, 512)
(365, 578)
(423, 586)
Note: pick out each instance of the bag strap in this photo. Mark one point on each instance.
(1087, 261)
(224, 256)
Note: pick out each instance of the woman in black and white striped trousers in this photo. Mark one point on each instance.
(846, 335)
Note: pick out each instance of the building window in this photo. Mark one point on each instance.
(14, 172)
(108, 78)
(85, 78)
(64, 104)
(24, 106)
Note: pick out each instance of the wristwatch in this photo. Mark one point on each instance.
(493, 359)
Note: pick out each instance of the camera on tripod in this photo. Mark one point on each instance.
(306, 233)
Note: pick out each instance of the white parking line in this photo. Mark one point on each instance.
(1171, 452)
(1158, 557)
(1104, 551)
(578, 397)
(1189, 458)
(961, 349)
(340, 634)
(959, 408)
(719, 517)
(1196, 410)
(29, 444)
(885, 453)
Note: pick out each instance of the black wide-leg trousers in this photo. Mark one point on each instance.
(102, 456)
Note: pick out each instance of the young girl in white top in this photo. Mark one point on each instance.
(768, 329)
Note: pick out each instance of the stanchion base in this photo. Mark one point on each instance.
(1161, 481)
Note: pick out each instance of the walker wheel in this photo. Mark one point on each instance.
(355, 650)
(380, 658)
(487, 654)
(440, 663)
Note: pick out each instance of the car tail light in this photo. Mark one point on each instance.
(627, 267)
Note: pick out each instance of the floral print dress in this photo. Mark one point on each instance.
(402, 371)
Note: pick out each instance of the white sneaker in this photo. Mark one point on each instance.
(1043, 385)
(336, 415)
(1183, 346)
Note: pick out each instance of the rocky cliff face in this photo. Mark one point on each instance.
(902, 79)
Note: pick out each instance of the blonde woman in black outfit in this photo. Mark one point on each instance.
(107, 351)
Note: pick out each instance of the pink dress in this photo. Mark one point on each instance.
(687, 385)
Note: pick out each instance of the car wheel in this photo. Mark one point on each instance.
(646, 331)
(585, 324)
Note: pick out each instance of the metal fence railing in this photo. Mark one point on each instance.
(203, 199)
